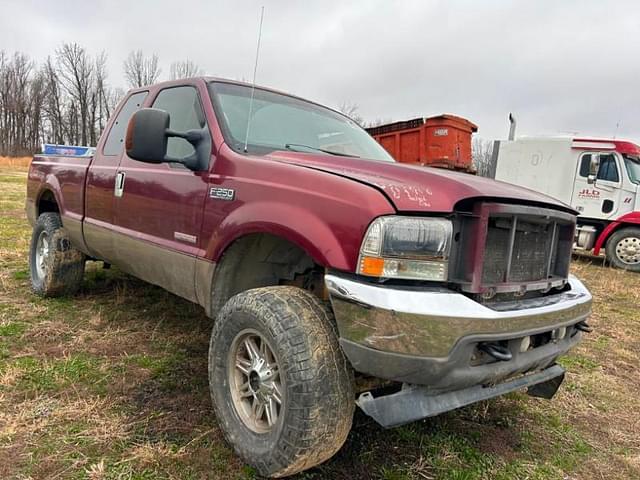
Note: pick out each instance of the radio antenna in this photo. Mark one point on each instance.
(253, 84)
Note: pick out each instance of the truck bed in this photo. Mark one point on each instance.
(63, 177)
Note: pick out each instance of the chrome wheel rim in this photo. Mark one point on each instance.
(42, 253)
(628, 250)
(257, 388)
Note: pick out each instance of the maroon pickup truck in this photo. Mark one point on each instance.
(336, 276)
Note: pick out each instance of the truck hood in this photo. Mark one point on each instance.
(416, 188)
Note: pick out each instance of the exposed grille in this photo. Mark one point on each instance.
(529, 255)
(510, 248)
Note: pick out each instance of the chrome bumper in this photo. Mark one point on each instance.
(430, 336)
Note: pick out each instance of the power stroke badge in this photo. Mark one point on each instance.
(222, 193)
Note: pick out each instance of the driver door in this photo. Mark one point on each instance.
(601, 199)
(159, 207)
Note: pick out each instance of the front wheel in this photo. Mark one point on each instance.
(281, 387)
(57, 268)
(623, 249)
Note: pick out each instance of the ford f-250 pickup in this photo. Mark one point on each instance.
(336, 277)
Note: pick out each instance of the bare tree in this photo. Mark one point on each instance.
(482, 155)
(76, 72)
(20, 104)
(114, 96)
(140, 70)
(185, 69)
(54, 126)
(351, 110)
(100, 108)
(66, 100)
(377, 122)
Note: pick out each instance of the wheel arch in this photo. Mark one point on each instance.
(260, 259)
(47, 202)
(627, 220)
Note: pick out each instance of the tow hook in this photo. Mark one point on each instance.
(584, 327)
(498, 352)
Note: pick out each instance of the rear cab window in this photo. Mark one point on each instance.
(114, 143)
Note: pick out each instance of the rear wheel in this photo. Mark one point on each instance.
(623, 249)
(281, 387)
(56, 267)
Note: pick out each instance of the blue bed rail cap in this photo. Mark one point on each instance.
(67, 150)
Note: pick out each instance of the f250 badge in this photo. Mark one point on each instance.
(222, 193)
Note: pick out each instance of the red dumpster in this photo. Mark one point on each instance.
(443, 141)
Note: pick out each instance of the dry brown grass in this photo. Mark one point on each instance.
(15, 161)
(112, 384)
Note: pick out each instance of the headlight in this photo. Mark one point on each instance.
(412, 248)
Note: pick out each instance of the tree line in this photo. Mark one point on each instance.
(67, 99)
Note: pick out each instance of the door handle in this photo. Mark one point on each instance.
(118, 189)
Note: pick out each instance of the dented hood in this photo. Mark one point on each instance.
(416, 188)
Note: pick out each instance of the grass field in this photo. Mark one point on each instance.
(112, 384)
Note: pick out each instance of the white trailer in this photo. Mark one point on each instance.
(600, 178)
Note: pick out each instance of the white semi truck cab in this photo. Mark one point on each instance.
(600, 178)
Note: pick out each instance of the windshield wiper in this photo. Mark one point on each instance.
(292, 146)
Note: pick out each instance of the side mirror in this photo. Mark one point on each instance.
(147, 135)
(594, 166)
(146, 139)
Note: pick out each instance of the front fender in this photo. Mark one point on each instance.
(329, 245)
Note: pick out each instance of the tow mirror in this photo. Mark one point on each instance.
(147, 135)
(594, 166)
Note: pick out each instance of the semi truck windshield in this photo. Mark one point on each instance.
(633, 168)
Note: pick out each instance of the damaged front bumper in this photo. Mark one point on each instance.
(438, 339)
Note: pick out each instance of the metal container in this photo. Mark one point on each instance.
(442, 141)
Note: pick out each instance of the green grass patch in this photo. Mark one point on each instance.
(21, 274)
(575, 361)
(37, 375)
(12, 329)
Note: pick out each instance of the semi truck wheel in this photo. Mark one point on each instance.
(282, 389)
(57, 268)
(623, 249)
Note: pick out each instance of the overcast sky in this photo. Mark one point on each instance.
(560, 66)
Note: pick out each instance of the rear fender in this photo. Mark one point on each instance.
(36, 190)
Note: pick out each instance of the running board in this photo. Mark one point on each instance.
(415, 402)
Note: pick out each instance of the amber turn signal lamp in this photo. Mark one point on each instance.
(373, 266)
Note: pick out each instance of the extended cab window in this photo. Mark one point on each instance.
(185, 112)
(115, 141)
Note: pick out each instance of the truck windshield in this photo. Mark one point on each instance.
(281, 122)
(633, 168)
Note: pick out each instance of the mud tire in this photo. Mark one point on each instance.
(63, 265)
(317, 412)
